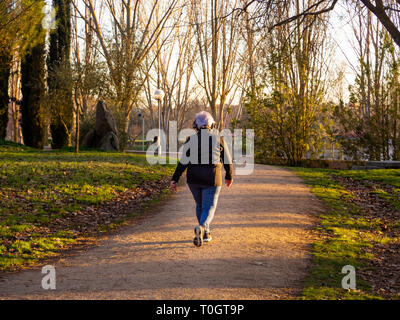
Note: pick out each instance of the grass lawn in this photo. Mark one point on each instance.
(347, 235)
(41, 191)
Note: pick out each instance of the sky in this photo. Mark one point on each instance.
(342, 36)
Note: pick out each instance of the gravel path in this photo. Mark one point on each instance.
(260, 249)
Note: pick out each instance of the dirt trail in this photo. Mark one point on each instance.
(260, 250)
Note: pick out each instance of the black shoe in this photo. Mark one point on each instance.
(207, 236)
(198, 236)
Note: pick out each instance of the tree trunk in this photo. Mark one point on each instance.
(380, 13)
(77, 129)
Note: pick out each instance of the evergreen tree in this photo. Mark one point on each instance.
(33, 89)
(59, 73)
(18, 32)
(5, 63)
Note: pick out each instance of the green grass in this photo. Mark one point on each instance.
(344, 234)
(37, 187)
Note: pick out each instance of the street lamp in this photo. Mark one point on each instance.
(141, 115)
(159, 95)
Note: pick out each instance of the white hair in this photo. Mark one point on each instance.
(204, 119)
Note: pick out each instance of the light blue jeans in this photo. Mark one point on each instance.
(206, 202)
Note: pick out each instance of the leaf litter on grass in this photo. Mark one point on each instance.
(54, 199)
(377, 202)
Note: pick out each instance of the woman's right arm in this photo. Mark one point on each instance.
(180, 169)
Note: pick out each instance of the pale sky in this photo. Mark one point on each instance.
(342, 36)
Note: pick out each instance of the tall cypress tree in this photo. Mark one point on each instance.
(59, 69)
(33, 87)
(5, 65)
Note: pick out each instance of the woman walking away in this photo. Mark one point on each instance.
(203, 155)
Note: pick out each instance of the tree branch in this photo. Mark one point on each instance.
(380, 13)
(307, 12)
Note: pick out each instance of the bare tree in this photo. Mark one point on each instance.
(86, 80)
(173, 68)
(373, 110)
(287, 107)
(217, 35)
(382, 9)
(134, 35)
